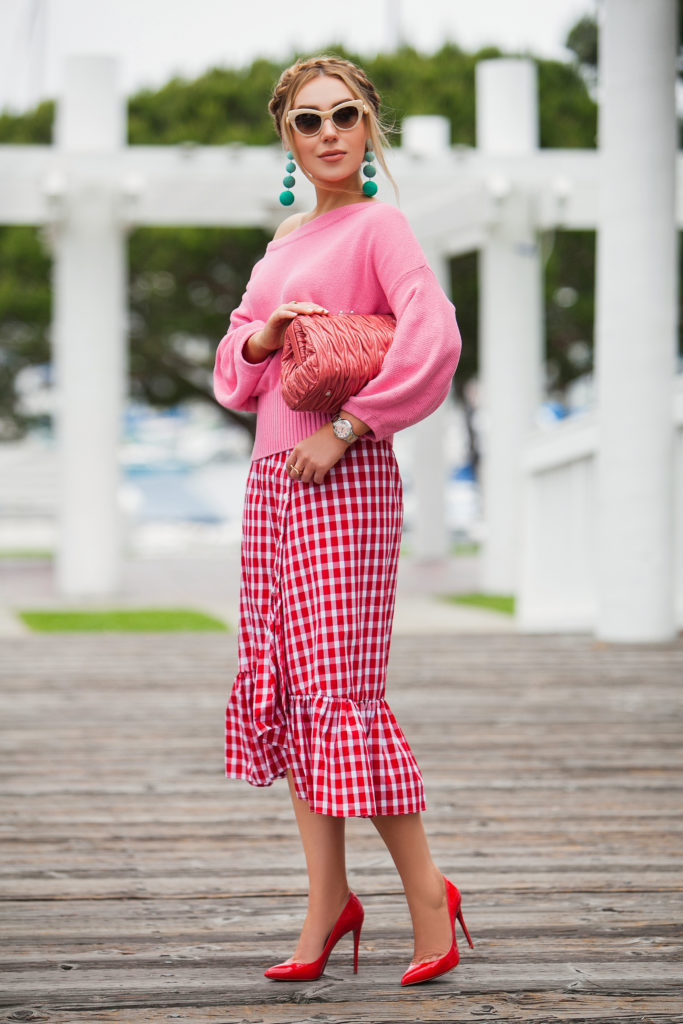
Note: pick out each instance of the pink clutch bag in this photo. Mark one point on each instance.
(327, 359)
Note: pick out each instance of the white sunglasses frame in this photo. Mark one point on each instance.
(292, 114)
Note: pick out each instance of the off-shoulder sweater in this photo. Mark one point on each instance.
(361, 258)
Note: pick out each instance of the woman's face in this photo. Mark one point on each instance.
(332, 156)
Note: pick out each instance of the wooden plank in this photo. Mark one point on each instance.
(526, 1008)
(238, 979)
(555, 801)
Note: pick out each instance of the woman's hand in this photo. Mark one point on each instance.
(311, 459)
(271, 337)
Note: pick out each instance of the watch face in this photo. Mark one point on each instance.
(342, 429)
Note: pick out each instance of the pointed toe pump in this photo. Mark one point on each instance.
(433, 968)
(350, 920)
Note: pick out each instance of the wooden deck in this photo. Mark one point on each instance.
(140, 886)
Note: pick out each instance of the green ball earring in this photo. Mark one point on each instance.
(369, 170)
(287, 197)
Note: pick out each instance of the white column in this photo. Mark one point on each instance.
(427, 137)
(636, 321)
(430, 465)
(89, 297)
(510, 315)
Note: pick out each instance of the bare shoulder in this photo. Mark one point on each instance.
(289, 224)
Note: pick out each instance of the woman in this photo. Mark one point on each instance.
(322, 521)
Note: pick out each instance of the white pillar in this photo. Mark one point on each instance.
(636, 320)
(510, 314)
(430, 465)
(426, 137)
(89, 297)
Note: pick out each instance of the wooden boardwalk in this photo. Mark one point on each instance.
(138, 885)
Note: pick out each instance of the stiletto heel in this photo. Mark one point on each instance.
(350, 920)
(461, 921)
(356, 943)
(433, 968)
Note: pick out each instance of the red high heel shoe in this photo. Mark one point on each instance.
(433, 968)
(350, 920)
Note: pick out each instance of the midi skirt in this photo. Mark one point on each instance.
(317, 597)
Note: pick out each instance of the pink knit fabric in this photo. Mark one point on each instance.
(361, 258)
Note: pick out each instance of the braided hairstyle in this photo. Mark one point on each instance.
(301, 72)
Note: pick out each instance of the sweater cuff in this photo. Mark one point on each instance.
(244, 334)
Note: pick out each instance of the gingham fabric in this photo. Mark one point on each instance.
(317, 601)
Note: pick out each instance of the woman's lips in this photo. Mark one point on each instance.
(333, 156)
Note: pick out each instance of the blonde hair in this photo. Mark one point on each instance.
(303, 71)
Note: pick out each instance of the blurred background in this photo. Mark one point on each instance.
(202, 75)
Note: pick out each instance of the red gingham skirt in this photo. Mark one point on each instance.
(316, 607)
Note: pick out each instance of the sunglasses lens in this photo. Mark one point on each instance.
(308, 124)
(346, 117)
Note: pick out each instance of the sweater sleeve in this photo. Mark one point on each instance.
(236, 383)
(417, 370)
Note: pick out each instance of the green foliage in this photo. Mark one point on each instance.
(126, 620)
(568, 115)
(583, 41)
(569, 287)
(465, 292)
(222, 106)
(33, 128)
(25, 311)
(184, 282)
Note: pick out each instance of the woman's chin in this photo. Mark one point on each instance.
(338, 182)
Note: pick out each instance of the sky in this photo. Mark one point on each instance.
(156, 39)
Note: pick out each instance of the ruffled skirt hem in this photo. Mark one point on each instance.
(326, 741)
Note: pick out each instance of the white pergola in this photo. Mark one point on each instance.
(585, 522)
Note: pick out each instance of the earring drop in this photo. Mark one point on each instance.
(369, 170)
(287, 197)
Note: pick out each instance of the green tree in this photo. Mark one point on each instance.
(25, 311)
(582, 40)
(184, 282)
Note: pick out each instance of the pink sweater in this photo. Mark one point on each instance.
(362, 258)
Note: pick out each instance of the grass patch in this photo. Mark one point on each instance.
(469, 548)
(124, 620)
(22, 553)
(504, 603)
(455, 551)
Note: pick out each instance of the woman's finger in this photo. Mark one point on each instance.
(306, 308)
(283, 314)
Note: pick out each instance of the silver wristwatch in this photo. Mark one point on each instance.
(343, 429)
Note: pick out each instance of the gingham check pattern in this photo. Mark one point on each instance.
(317, 601)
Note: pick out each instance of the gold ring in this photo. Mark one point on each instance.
(293, 469)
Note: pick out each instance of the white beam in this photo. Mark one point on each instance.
(218, 185)
(223, 185)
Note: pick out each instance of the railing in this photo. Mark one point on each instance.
(557, 579)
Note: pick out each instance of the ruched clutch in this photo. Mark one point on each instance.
(327, 359)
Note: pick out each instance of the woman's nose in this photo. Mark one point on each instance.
(328, 129)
